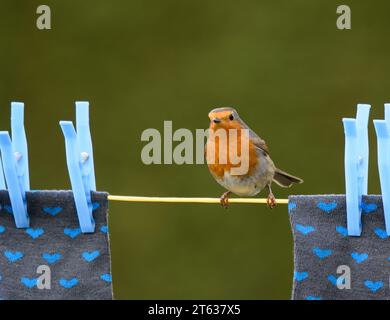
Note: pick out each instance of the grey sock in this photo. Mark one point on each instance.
(321, 245)
(79, 263)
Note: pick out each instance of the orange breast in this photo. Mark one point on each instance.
(221, 152)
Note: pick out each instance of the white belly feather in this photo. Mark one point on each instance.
(250, 185)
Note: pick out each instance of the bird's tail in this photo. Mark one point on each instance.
(284, 179)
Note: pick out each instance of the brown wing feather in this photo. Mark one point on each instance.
(258, 142)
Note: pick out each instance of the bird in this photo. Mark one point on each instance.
(261, 169)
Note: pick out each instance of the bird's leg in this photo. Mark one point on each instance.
(271, 201)
(225, 199)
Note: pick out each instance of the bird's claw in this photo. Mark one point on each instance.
(224, 200)
(271, 201)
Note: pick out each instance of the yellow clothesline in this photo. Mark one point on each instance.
(191, 200)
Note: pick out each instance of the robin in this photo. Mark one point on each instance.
(261, 169)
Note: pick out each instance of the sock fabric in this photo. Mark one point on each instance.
(321, 245)
(79, 263)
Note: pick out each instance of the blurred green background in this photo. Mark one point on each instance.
(284, 65)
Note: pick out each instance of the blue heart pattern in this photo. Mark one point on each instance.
(291, 206)
(322, 253)
(380, 233)
(90, 256)
(327, 206)
(69, 283)
(53, 211)
(342, 230)
(334, 280)
(13, 256)
(304, 229)
(29, 283)
(106, 277)
(368, 207)
(35, 233)
(374, 286)
(73, 233)
(51, 258)
(313, 298)
(300, 276)
(359, 257)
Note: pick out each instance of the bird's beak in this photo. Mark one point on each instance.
(217, 120)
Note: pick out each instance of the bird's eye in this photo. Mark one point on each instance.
(231, 117)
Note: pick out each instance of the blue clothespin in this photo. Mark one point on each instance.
(2, 181)
(79, 156)
(15, 165)
(356, 166)
(19, 143)
(382, 128)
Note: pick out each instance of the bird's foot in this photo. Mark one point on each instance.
(224, 200)
(271, 201)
